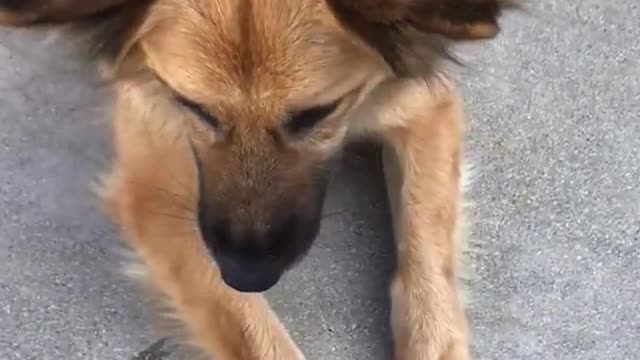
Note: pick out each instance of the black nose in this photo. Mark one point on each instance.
(246, 273)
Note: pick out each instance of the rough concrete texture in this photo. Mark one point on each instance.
(554, 112)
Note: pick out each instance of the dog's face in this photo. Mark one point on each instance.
(266, 89)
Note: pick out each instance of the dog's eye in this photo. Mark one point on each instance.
(306, 119)
(199, 111)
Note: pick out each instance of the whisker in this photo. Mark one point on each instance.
(191, 196)
(193, 231)
(182, 202)
(173, 216)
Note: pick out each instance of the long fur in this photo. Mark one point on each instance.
(381, 58)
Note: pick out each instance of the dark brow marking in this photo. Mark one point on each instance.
(198, 110)
(308, 118)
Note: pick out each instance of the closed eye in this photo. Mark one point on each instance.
(306, 119)
(199, 111)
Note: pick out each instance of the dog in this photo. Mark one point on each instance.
(228, 118)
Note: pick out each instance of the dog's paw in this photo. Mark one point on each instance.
(426, 322)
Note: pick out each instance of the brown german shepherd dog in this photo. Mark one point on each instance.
(228, 118)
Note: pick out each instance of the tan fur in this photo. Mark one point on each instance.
(151, 194)
(423, 164)
(251, 63)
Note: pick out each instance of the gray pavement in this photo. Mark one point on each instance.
(554, 112)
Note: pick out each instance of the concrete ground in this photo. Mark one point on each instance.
(554, 109)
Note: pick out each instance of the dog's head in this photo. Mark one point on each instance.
(266, 88)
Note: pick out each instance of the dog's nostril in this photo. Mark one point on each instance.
(246, 274)
(254, 283)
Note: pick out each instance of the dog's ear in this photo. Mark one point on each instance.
(100, 30)
(399, 29)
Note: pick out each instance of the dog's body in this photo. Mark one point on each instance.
(228, 117)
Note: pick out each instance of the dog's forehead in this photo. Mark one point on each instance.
(287, 50)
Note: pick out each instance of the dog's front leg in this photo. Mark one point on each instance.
(219, 321)
(423, 165)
